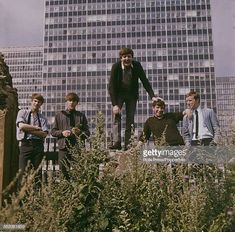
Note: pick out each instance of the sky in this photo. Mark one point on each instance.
(21, 24)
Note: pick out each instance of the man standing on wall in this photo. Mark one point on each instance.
(124, 88)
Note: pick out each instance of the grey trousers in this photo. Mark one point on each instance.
(130, 105)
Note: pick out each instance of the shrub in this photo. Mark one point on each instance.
(139, 197)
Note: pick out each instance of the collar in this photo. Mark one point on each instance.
(70, 111)
(163, 116)
(198, 109)
(124, 67)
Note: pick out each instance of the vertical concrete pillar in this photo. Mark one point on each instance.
(8, 147)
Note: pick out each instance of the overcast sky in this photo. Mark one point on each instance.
(21, 24)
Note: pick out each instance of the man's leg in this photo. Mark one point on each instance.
(37, 157)
(117, 129)
(130, 119)
(26, 150)
(64, 159)
(36, 160)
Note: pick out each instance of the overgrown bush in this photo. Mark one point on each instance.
(138, 197)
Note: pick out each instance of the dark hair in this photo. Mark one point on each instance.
(72, 97)
(37, 96)
(125, 51)
(159, 103)
(194, 94)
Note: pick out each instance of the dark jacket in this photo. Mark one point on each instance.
(62, 122)
(116, 81)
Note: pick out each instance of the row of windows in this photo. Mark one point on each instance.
(159, 71)
(126, 35)
(124, 10)
(100, 22)
(106, 11)
(142, 59)
(134, 46)
(129, 34)
(152, 3)
(160, 85)
(26, 61)
(74, 29)
(140, 110)
(82, 29)
(200, 46)
(26, 68)
(27, 55)
(168, 6)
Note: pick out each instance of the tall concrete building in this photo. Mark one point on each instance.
(225, 87)
(171, 38)
(25, 67)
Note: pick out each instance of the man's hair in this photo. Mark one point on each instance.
(37, 96)
(194, 94)
(125, 51)
(159, 103)
(72, 97)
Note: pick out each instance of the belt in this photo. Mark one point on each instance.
(30, 141)
(201, 141)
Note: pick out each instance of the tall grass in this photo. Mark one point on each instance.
(137, 197)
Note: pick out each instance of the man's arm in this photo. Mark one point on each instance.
(85, 133)
(34, 130)
(215, 125)
(112, 87)
(40, 134)
(28, 128)
(56, 131)
(186, 133)
(144, 80)
(146, 133)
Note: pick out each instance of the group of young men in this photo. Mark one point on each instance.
(200, 125)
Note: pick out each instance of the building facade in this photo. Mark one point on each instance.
(225, 87)
(171, 38)
(25, 67)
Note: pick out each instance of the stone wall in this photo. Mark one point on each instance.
(8, 144)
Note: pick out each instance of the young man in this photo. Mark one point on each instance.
(163, 126)
(32, 128)
(124, 88)
(69, 124)
(203, 127)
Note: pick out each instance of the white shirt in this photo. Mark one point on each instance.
(203, 132)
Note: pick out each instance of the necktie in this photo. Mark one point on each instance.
(196, 134)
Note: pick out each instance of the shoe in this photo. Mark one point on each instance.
(115, 146)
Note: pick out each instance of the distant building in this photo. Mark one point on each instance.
(171, 38)
(25, 67)
(225, 87)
